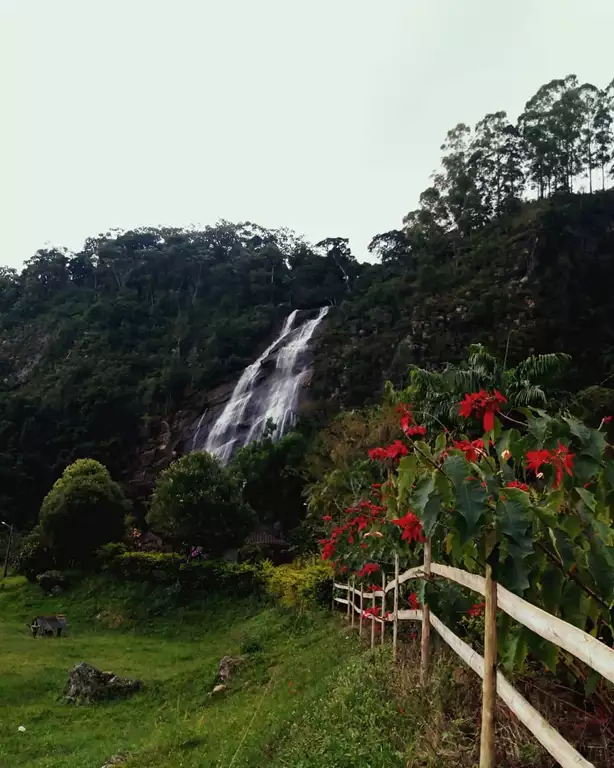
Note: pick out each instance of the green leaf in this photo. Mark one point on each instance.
(591, 440)
(513, 649)
(470, 495)
(430, 514)
(424, 488)
(440, 443)
(552, 581)
(408, 468)
(538, 428)
(513, 513)
(514, 572)
(545, 651)
(574, 605)
(587, 497)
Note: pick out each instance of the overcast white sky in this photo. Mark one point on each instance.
(325, 116)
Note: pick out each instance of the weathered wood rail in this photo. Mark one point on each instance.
(580, 644)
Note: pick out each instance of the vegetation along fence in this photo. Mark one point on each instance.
(591, 651)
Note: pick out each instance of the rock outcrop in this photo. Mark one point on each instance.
(87, 685)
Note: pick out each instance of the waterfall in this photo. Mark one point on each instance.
(251, 406)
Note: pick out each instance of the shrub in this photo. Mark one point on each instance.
(34, 557)
(212, 576)
(52, 581)
(84, 509)
(198, 502)
(294, 585)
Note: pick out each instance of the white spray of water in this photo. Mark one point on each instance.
(278, 403)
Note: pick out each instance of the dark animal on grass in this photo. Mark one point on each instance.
(43, 626)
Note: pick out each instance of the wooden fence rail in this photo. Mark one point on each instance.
(588, 649)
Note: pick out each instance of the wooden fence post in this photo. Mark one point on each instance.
(333, 600)
(395, 627)
(426, 619)
(489, 686)
(383, 625)
(361, 610)
(373, 630)
(352, 611)
(347, 607)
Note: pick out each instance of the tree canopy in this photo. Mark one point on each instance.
(197, 502)
(84, 510)
(108, 351)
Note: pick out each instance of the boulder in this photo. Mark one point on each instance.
(118, 759)
(227, 666)
(86, 684)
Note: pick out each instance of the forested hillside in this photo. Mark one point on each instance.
(102, 348)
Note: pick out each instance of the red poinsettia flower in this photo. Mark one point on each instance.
(470, 449)
(328, 550)
(482, 405)
(417, 431)
(369, 613)
(393, 451)
(327, 518)
(411, 527)
(407, 417)
(477, 609)
(518, 484)
(378, 454)
(607, 419)
(413, 601)
(560, 458)
(368, 569)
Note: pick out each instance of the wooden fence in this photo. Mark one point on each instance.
(591, 651)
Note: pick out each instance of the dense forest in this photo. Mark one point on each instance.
(511, 245)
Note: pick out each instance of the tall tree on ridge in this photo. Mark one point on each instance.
(604, 138)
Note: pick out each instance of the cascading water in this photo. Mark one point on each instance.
(250, 407)
(290, 372)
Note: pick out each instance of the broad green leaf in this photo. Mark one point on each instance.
(584, 469)
(440, 442)
(538, 428)
(587, 497)
(424, 488)
(574, 605)
(513, 513)
(591, 440)
(602, 573)
(470, 495)
(408, 467)
(430, 515)
(513, 649)
(545, 651)
(551, 582)
(514, 572)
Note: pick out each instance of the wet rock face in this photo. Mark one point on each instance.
(87, 685)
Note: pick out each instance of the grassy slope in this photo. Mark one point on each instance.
(315, 698)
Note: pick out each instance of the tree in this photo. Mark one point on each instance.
(84, 510)
(590, 97)
(604, 138)
(273, 478)
(497, 157)
(435, 395)
(198, 502)
(458, 181)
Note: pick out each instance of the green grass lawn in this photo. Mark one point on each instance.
(308, 696)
